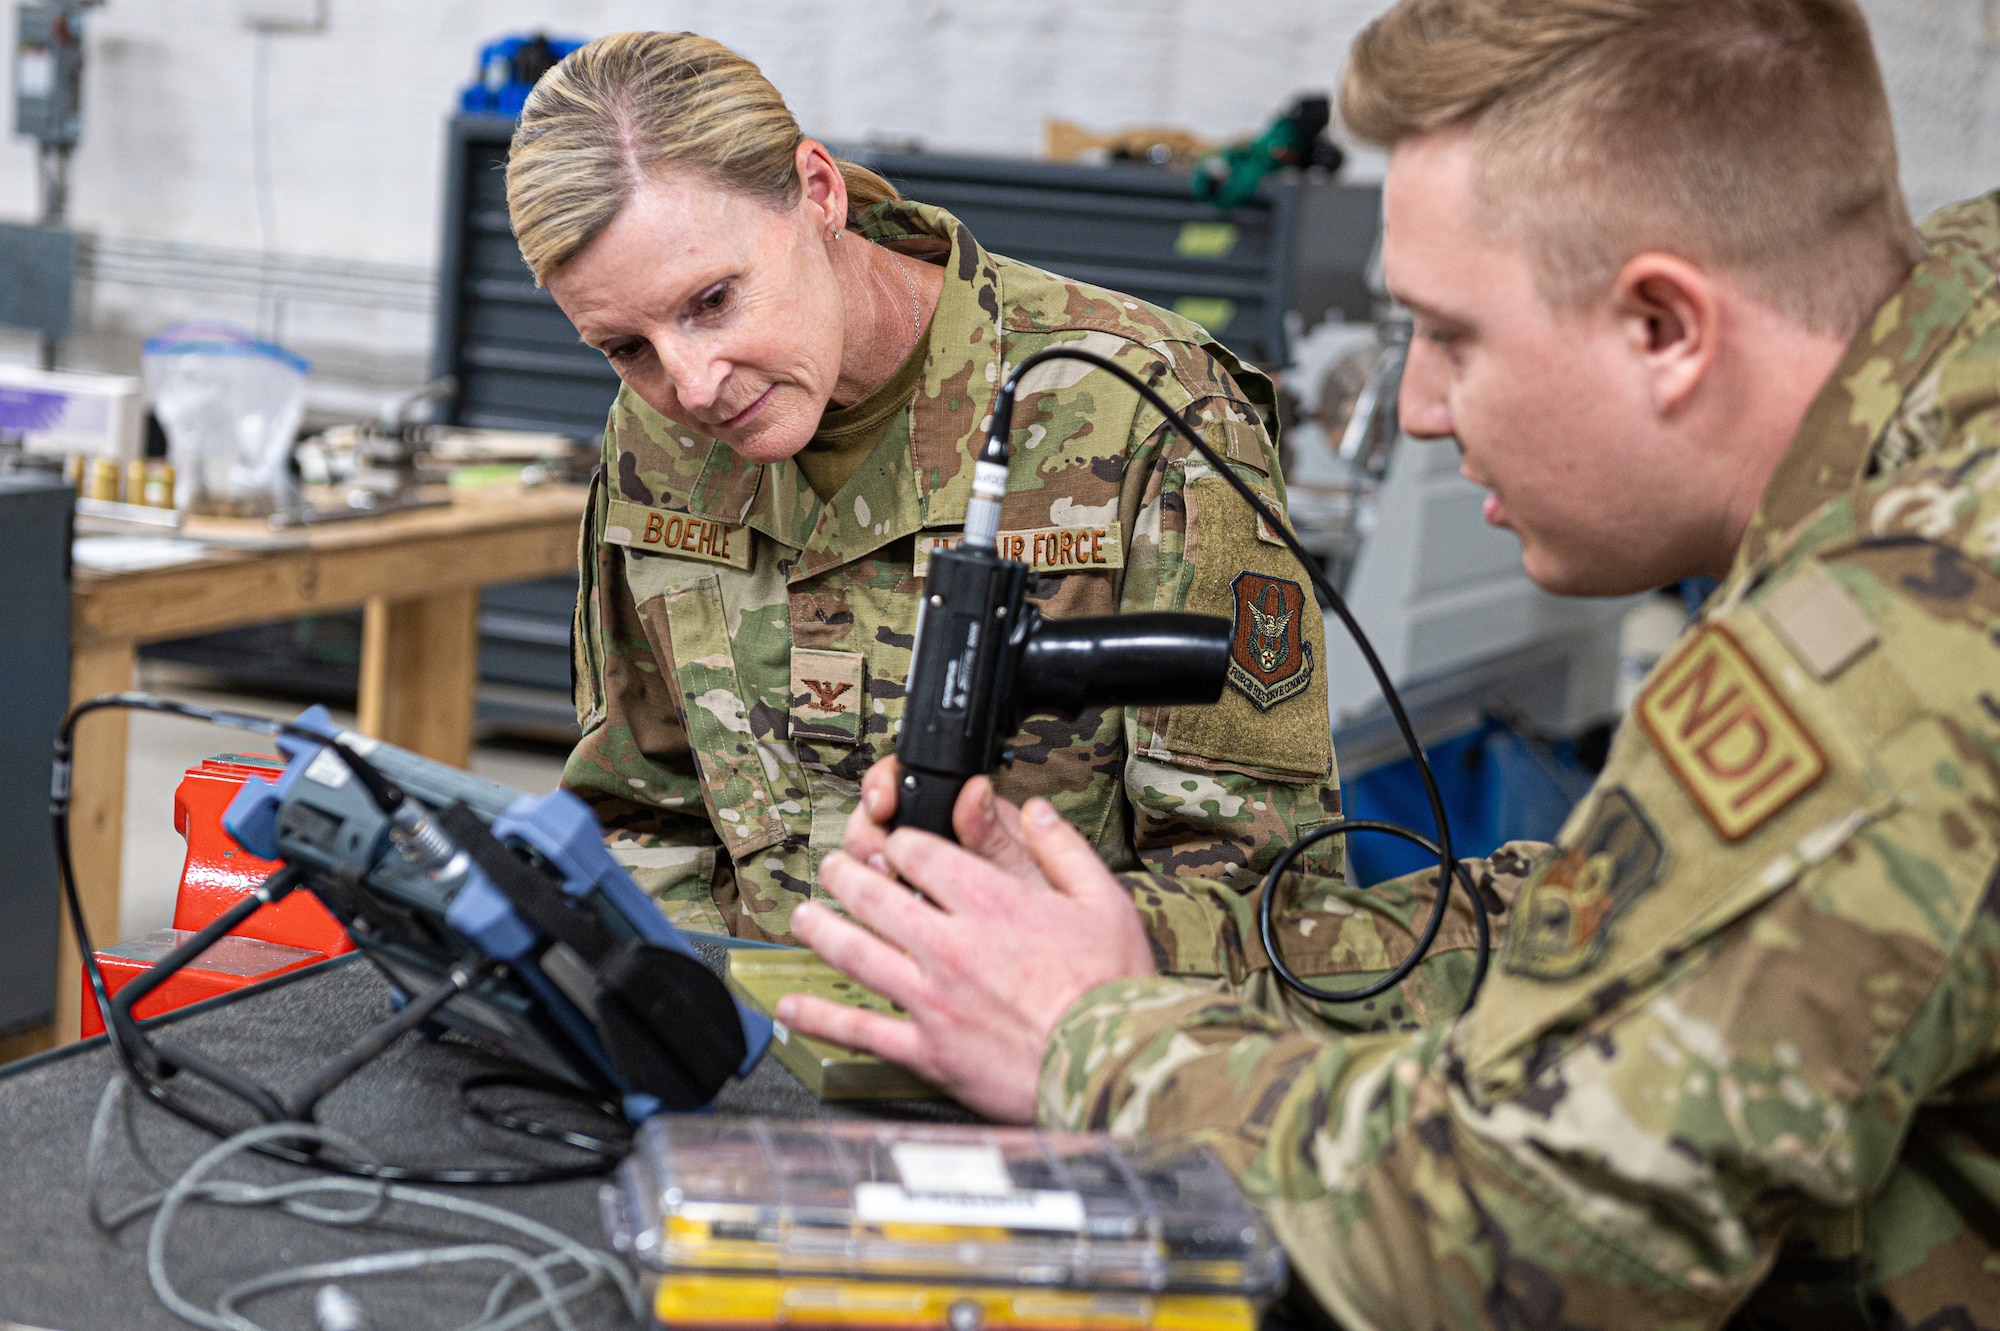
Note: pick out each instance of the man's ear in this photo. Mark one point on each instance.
(823, 187)
(1672, 320)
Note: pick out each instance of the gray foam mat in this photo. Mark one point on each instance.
(58, 1272)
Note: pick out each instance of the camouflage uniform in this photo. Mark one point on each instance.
(742, 646)
(1740, 1053)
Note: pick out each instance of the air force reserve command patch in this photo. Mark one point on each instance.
(1732, 743)
(1562, 921)
(1269, 657)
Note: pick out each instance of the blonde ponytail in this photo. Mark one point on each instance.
(864, 187)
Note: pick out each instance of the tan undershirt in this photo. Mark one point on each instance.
(847, 435)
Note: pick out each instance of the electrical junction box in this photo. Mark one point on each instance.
(48, 74)
(60, 411)
(37, 278)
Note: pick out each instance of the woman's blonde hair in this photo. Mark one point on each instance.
(626, 106)
(1750, 134)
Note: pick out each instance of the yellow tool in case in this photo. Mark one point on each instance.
(761, 976)
(853, 1225)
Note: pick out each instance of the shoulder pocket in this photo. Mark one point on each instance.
(1272, 717)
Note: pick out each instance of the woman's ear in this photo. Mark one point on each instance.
(824, 189)
(1671, 315)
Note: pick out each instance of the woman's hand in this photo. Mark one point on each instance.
(985, 962)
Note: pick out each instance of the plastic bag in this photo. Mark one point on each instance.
(230, 405)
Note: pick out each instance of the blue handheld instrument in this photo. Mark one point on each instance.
(509, 910)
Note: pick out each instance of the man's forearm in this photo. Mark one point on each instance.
(1399, 1203)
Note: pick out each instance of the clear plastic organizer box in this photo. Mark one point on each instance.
(764, 1222)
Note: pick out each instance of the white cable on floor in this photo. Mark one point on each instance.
(374, 1198)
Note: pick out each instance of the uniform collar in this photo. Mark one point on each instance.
(1847, 425)
(896, 492)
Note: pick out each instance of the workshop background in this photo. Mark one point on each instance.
(282, 164)
(323, 175)
(289, 177)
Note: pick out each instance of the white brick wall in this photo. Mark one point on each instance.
(357, 109)
(1942, 60)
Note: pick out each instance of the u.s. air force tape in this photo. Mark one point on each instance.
(686, 535)
(1045, 549)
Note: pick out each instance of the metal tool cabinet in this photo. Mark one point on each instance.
(34, 675)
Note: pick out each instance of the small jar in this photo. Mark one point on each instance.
(100, 480)
(159, 488)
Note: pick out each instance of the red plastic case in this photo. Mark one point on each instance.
(218, 873)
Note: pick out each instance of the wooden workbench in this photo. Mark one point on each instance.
(416, 576)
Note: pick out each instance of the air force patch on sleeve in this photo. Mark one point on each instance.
(1562, 921)
(1269, 657)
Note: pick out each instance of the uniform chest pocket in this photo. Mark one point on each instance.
(734, 779)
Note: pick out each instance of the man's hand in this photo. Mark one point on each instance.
(985, 962)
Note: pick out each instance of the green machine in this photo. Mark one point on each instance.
(1229, 176)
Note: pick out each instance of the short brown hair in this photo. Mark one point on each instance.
(1752, 135)
(624, 106)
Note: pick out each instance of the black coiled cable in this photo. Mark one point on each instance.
(1449, 870)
